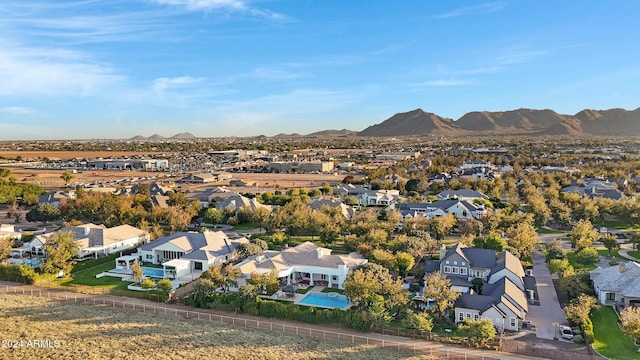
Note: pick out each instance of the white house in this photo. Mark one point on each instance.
(618, 285)
(191, 251)
(378, 197)
(306, 263)
(95, 240)
(462, 210)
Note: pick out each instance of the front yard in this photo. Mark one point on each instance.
(609, 339)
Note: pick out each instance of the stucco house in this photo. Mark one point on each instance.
(378, 197)
(506, 290)
(94, 240)
(462, 195)
(192, 251)
(617, 285)
(462, 210)
(306, 263)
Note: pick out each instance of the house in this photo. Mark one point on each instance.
(95, 240)
(306, 263)
(319, 202)
(191, 251)
(595, 188)
(506, 288)
(618, 285)
(238, 201)
(462, 210)
(344, 190)
(378, 197)
(56, 198)
(462, 195)
(201, 178)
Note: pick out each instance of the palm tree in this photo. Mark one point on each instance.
(66, 176)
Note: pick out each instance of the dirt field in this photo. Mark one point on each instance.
(77, 331)
(66, 155)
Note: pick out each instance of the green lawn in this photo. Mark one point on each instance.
(609, 340)
(619, 225)
(635, 254)
(304, 291)
(247, 226)
(332, 290)
(571, 256)
(614, 253)
(88, 277)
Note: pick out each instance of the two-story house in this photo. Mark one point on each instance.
(505, 291)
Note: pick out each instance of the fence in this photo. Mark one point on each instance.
(407, 347)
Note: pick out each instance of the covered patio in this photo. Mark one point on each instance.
(124, 263)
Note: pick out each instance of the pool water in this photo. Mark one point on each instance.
(330, 300)
(151, 272)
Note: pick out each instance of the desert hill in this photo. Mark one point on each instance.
(520, 121)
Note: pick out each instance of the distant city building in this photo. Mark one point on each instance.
(301, 166)
(126, 164)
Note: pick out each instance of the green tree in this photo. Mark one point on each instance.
(60, 248)
(587, 256)
(554, 250)
(610, 241)
(437, 287)
(583, 235)
(440, 226)
(66, 176)
(404, 262)
(478, 331)
(43, 213)
(372, 279)
(578, 311)
(522, 237)
(421, 321)
(261, 216)
(268, 283)
(165, 285)
(630, 319)
(214, 216)
(147, 283)
(558, 266)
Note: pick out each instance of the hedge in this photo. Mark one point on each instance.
(21, 273)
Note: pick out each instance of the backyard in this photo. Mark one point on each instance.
(609, 339)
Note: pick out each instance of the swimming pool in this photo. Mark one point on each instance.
(330, 300)
(152, 272)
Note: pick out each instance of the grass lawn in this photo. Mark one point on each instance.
(88, 277)
(609, 340)
(635, 254)
(304, 291)
(571, 256)
(247, 226)
(614, 253)
(332, 290)
(619, 225)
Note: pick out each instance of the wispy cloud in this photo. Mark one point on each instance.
(38, 70)
(485, 8)
(517, 56)
(17, 110)
(160, 85)
(229, 6)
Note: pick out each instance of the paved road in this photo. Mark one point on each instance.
(549, 310)
(437, 346)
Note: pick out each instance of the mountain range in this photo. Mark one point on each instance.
(514, 122)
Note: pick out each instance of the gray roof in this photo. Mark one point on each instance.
(196, 244)
(475, 301)
(529, 282)
(431, 266)
(466, 193)
(623, 279)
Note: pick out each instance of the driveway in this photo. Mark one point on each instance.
(549, 311)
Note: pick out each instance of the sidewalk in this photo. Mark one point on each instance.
(313, 330)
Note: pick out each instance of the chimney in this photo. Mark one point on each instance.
(86, 230)
(622, 267)
(443, 251)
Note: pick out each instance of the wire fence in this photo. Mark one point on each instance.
(437, 351)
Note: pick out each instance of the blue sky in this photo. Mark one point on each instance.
(114, 69)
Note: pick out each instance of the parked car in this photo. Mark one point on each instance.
(566, 332)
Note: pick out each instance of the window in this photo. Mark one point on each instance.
(611, 296)
(463, 271)
(463, 263)
(446, 262)
(455, 269)
(149, 256)
(323, 276)
(460, 316)
(476, 317)
(513, 322)
(455, 263)
(468, 315)
(447, 269)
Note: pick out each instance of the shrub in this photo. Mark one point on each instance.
(587, 256)
(578, 339)
(147, 283)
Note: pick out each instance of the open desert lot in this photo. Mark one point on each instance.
(93, 332)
